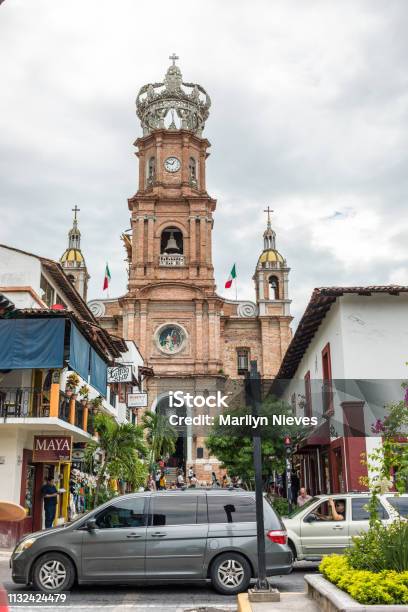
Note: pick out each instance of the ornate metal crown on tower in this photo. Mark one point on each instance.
(189, 101)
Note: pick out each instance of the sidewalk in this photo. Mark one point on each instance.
(5, 553)
(292, 602)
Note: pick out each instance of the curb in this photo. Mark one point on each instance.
(243, 604)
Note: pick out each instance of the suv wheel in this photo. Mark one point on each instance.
(230, 573)
(53, 573)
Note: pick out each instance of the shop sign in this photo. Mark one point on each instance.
(52, 449)
(137, 400)
(120, 373)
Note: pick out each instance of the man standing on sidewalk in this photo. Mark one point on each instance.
(50, 496)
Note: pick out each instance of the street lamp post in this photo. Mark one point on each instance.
(254, 396)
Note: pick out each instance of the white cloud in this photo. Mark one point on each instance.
(308, 115)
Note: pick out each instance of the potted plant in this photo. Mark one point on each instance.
(71, 384)
(96, 404)
(84, 394)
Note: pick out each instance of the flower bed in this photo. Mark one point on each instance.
(386, 587)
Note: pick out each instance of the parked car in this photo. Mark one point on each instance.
(310, 536)
(167, 536)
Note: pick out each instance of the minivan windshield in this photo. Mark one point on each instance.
(298, 509)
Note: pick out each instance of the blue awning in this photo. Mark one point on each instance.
(79, 350)
(98, 373)
(31, 343)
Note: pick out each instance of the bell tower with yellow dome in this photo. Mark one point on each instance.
(73, 262)
(272, 276)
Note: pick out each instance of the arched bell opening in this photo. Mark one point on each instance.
(171, 241)
(273, 288)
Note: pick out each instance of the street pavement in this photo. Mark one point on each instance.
(152, 598)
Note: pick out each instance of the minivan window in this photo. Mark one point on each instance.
(231, 509)
(122, 514)
(173, 510)
(400, 504)
(360, 513)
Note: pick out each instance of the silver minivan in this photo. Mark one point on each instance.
(168, 536)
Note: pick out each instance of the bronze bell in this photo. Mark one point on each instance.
(172, 244)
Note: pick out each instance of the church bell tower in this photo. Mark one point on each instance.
(73, 261)
(171, 289)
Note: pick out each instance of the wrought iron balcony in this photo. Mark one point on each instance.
(24, 402)
(171, 260)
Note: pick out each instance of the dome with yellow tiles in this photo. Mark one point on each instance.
(271, 255)
(73, 256)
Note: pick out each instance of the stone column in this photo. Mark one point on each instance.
(211, 333)
(193, 246)
(72, 411)
(203, 241)
(203, 156)
(55, 394)
(209, 242)
(85, 418)
(150, 239)
(199, 331)
(261, 286)
(139, 239)
(142, 169)
(143, 326)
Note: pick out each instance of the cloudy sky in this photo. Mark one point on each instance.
(309, 115)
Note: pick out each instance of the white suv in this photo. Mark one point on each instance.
(310, 537)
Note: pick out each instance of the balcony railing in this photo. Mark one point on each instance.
(24, 402)
(63, 409)
(171, 260)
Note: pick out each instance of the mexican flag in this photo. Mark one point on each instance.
(107, 278)
(233, 274)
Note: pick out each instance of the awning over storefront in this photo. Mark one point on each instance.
(86, 361)
(31, 343)
(318, 437)
(98, 373)
(79, 353)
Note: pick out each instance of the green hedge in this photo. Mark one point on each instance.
(387, 587)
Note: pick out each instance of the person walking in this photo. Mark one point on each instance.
(193, 481)
(162, 482)
(151, 483)
(50, 496)
(190, 473)
(180, 480)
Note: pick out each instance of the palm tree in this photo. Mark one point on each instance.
(160, 435)
(121, 445)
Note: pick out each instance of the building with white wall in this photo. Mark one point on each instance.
(345, 363)
(49, 335)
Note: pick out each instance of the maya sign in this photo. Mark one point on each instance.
(137, 400)
(52, 448)
(118, 374)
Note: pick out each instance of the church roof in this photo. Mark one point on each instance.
(270, 255)
(72, 255)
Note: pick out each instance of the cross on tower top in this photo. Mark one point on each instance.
(174, 57)
(75, 210)
(269, 211)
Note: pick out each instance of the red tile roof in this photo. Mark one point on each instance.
(320, 303)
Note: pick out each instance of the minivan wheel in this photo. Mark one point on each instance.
(53, 573)
(230, 573)
(293, 549)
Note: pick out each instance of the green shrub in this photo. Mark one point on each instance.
(281, 505)
(381, 548)
(386, 587)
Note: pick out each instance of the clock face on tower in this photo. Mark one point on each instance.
(172, 164)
